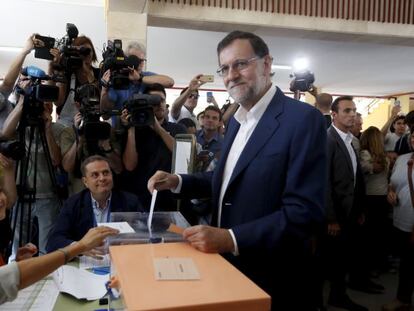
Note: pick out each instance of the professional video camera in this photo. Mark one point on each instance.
(115, 60)
(37, 93)
(303, 81)
(91, 127)
(70, 55)
(140, 109)
(12, 149)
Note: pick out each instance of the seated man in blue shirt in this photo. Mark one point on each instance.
(91, 206)
(114, 99)
(209, 137)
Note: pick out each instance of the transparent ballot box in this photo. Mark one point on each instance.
(160, 230)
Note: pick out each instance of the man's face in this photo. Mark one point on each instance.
(192, 101)
(245, 86)
(98, 178)
(399, 127)
(211, 120)
(159, 110)
(344, 119)
(141, 55)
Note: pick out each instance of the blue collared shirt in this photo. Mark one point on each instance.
(101, 215)
(214, 145)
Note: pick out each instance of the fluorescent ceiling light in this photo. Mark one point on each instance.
(283, 67)
(13, 49)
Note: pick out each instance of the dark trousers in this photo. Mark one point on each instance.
(342, 255)
(378, 229)
(406, 270)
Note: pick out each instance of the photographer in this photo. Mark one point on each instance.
(9, 80)
(112, 98)
(76, 77)
(76, 147)
(149, 149)
(46, 205)
(184, 105)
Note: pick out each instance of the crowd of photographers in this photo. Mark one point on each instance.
(117, 111)
(114, 119)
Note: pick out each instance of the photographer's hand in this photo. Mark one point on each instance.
(134, 75)
(125, 117)
(105, 78)
(195, 83)
(77, 119)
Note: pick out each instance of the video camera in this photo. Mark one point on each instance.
(71, 56)
(91, 127)
(303, 81)
(12, 149)
(115, 60)
(37, 93)
(140, 107)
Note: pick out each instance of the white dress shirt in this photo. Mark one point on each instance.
(347, 139)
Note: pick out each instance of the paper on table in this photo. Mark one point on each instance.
(40, 296)
(151, 213)
(175, 269)
(87, 262)
(80, 283)
(122, 226)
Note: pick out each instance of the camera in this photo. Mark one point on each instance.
(115, 60)
(302, 81)
(140, 108)
(37, 93)
(71, 56)
(12, 149)
(91, 127)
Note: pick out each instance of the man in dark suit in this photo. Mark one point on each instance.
(91, 206)
(269, 185)
(345, 197)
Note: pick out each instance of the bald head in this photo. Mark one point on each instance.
(323, 102)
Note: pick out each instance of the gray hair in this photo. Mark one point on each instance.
(135, 45)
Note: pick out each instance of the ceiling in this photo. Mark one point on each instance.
(345, 65)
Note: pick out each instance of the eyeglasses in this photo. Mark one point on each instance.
(237, 65)
(195, 96)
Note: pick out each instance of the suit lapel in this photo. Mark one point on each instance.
(344, 149)
(267, 125)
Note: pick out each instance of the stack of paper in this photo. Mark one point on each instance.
(80, 283)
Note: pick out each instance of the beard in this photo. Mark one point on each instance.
(242, 93)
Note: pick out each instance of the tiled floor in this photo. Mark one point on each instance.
(374, 302)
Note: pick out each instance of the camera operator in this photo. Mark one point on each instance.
(183, 106)
(11, 76)
(77, 77)
(114, 99)
(75, 149)
(149, 149)
(46, 205)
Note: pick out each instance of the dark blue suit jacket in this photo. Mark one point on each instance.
(76, 216)
(275, 199)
